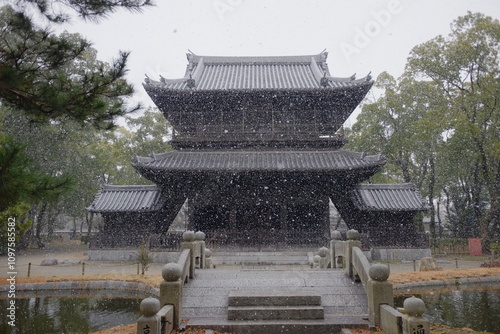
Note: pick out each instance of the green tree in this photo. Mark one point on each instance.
(19, 184)
(151, 132)
(465, 66)
(439, 124)
(57, 77)
(23, 182)
(51, 80)
(403, 124)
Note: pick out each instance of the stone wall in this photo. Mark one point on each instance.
(130, 255)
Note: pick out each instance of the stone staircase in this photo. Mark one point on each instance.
(274, 305)
(265, 301)
(262, 258)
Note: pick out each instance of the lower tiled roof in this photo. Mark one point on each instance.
(243, 161)
(127, 198)
(388, 197)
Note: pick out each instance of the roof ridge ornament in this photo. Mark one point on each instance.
(190, 56)
(191, 83)
(324, 81)
(322, 56)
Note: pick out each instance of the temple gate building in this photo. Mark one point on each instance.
(257, 158)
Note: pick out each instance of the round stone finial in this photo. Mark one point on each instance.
(336, 235)
(323, 251)
(353, 235)
(208, 252)
(379, 272)
(188, 236)
(199, 236)
(149, 306)
(414, 306)
(171, 272)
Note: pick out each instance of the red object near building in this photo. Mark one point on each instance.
(475, 246)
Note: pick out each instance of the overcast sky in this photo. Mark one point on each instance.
(361, 36)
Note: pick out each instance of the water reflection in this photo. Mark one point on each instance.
(476, 309)
(52, 315)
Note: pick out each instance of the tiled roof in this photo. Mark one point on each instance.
(127, 198)
(388, 197)
(243, 161)
(246, 73)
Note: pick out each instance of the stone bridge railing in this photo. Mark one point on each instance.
(379, 290)
(164, 315)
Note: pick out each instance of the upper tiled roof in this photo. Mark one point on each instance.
(244, 161)
(246, 73)
(127, 198)
(388, 197)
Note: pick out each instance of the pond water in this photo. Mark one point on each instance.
(55, 315)
(470, 308)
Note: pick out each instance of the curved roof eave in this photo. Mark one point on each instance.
(259, 161)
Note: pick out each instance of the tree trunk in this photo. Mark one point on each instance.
(438, 215)
(73, 234)
(432, 181)
(476, 200)
(89, 217)
(39, 226)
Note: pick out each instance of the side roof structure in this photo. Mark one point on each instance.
(388, 197)
(113, 198)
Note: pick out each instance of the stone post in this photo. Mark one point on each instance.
(188, 243)
(335, 237)
(150, 321)
(323, 261)
(413, 321)
(208, 258)
(352, 241)
(378, 290)
(199, 240)
(171, 290)
(316, 259)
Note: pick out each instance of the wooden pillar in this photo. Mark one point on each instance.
(283, 222)
(191, 207)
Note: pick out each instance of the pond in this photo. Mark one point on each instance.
(470, 308)
(56, 315)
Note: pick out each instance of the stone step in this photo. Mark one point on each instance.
(274, 298)
(275, 312)
(331, 324)
(262, 258)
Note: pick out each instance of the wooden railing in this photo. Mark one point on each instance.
(257, 132)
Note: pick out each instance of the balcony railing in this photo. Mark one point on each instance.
(257, 132)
